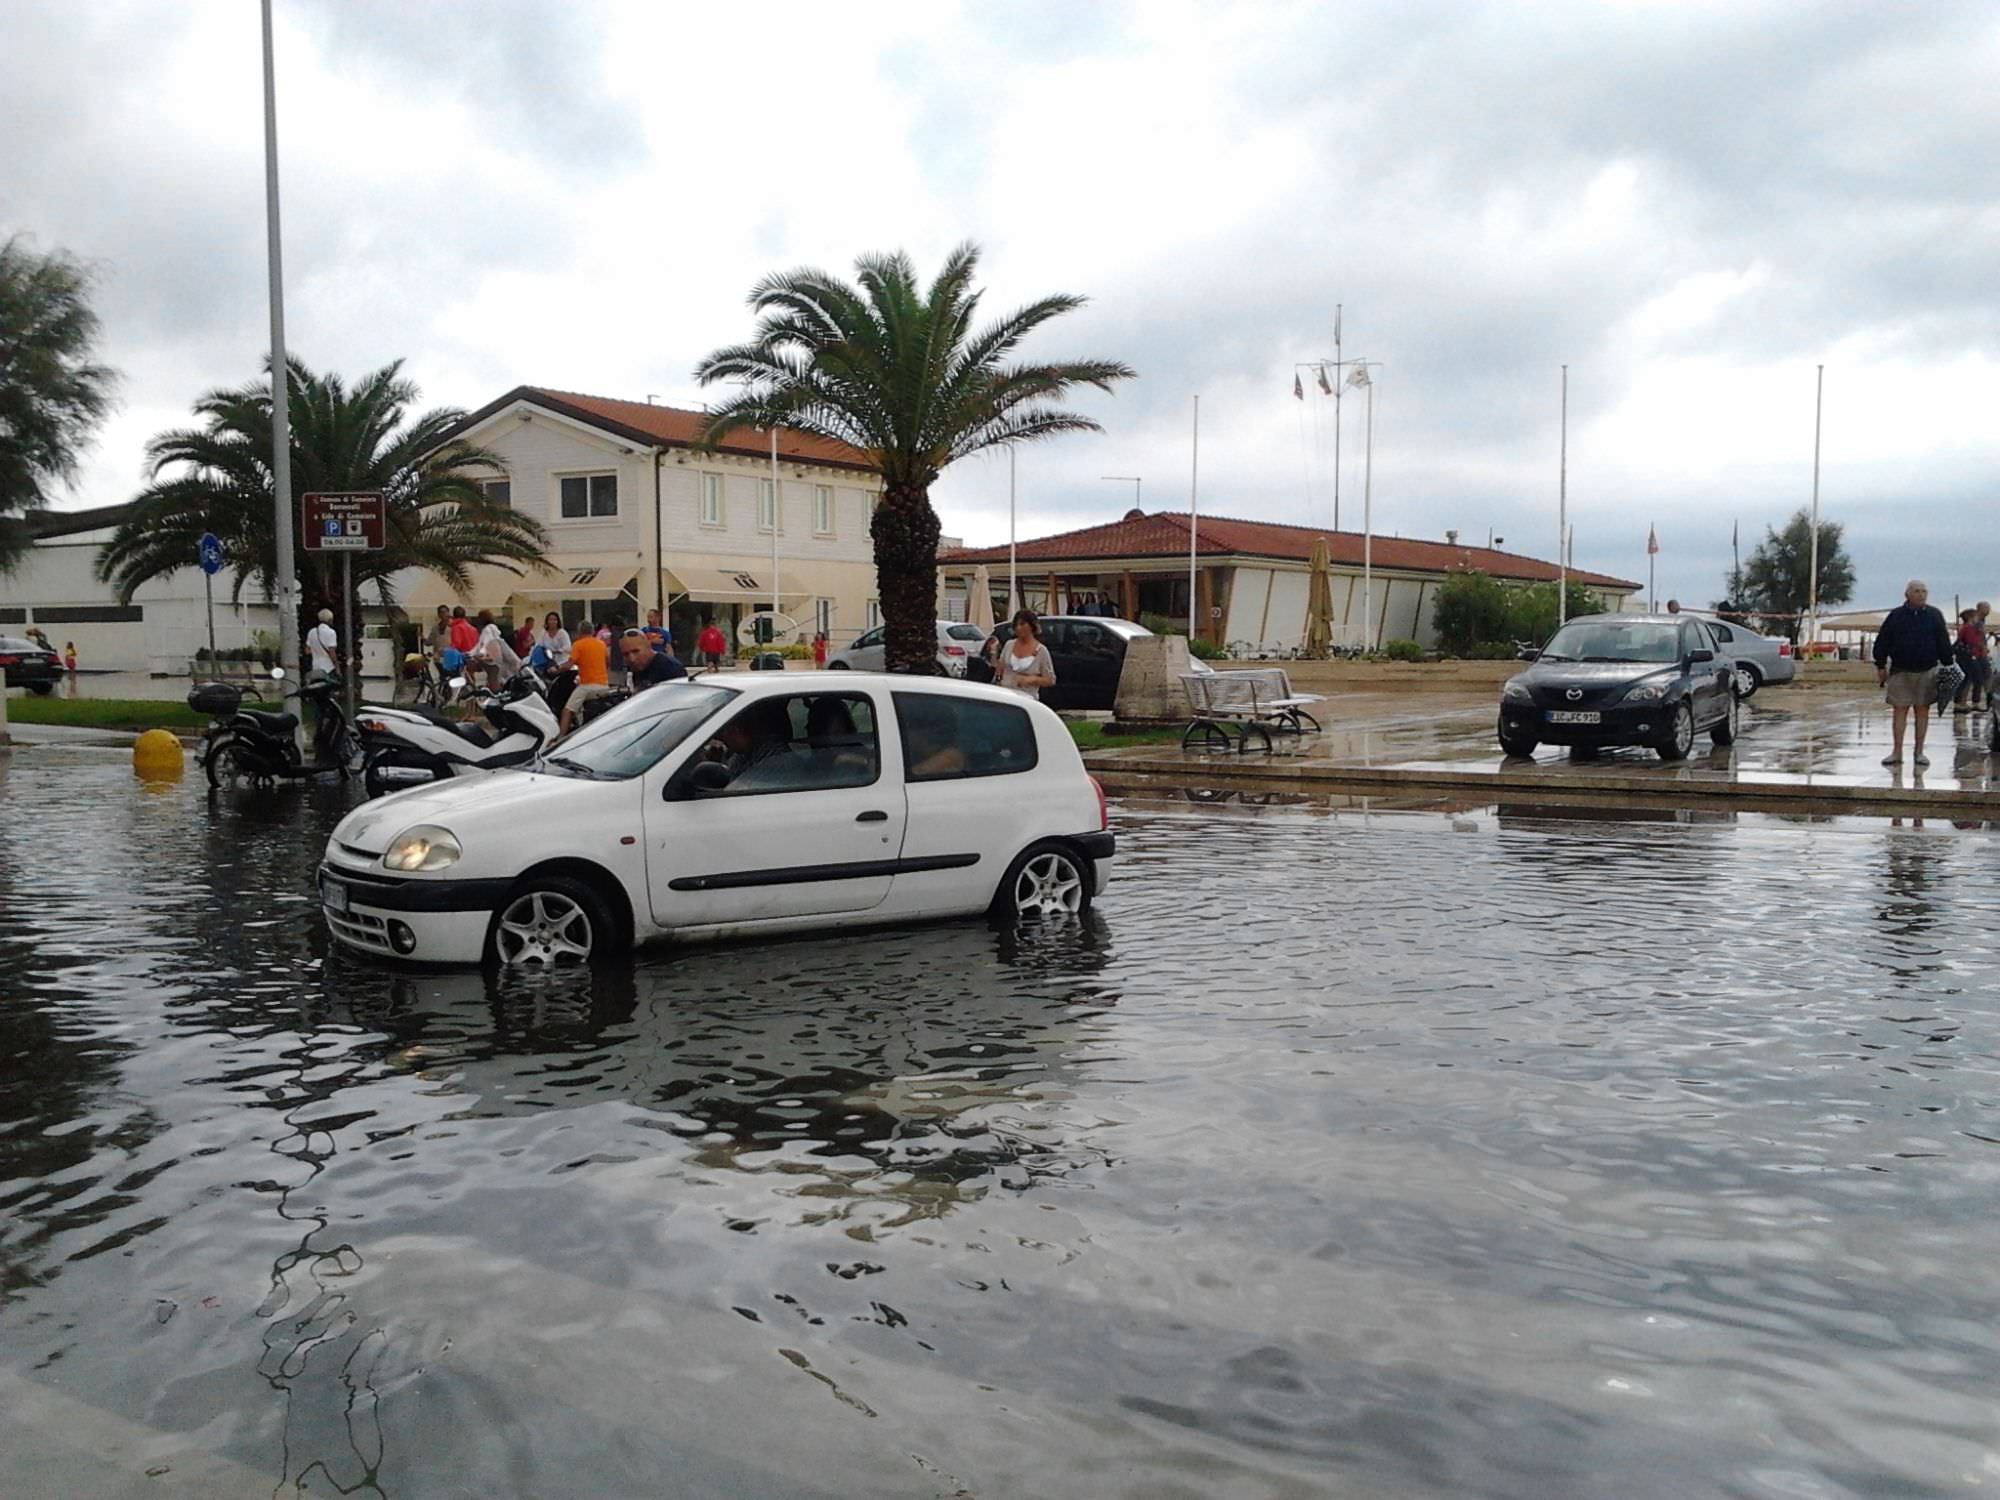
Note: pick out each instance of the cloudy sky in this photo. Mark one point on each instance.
(1691, 204)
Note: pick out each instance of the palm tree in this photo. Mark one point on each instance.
(51, 393)
(437, 516)
(901, 374)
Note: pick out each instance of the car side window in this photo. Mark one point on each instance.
(1090, 640)
(1720, 632)
(1691, 640)
(1057, 635)
(952, 738)
(802, 742)
(869, 640)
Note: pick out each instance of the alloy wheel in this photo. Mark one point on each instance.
(544, 927)
(1049, 885)
(1684, 729)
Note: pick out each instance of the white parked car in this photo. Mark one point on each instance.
(957, 643)
(726, 807)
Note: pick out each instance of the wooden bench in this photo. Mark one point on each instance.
(1228, 708)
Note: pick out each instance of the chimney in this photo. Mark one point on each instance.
(1451, 537)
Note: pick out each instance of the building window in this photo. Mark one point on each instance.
(588, 496)
(874, 613)
(823, 509)
(89, 614)
(823, 617)
(711, 499)
(498, 492)
(767, 504)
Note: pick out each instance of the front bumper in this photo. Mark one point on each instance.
(422, 921)
(1618, 723)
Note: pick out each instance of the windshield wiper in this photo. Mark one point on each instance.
(1552, 656)
(571, 767)
(1623, 661)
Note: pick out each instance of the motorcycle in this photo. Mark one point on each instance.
(260, 745)
(415, 745)
(562, 684)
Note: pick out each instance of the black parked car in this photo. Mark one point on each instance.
(28, 665)
(1653, 680)
(1088, 652)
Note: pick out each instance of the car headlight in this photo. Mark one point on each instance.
(1645, 692)
(1516, 691)
(424, 847)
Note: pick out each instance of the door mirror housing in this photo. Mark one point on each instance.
(1527, 653)
(705, 780)
(1699, 656)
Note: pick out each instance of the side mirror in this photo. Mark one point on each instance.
(1528, 654)
(705, 780)
(1701, 656)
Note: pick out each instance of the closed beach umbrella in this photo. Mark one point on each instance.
(982, 598)
(1319, 602)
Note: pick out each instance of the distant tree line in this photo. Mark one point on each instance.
(1772, 590)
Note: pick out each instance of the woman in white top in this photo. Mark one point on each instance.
(1024, 663)
(554, 641)
(499, 657)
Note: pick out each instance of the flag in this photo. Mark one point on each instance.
(1324, 388)
(1652, 541)
(1298, 390)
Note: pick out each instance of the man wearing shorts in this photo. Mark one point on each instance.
(591, 658)
(1912, 644)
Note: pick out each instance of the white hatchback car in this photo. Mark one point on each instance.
(727, 807)
(957, 644)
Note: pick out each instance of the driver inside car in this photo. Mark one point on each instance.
(749, 740)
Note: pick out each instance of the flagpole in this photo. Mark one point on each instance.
(1562, 511)
(1337, 384)
(1194, 513)
(1812, 568)
(1368, 527)
(1013, 559)
(1652, 554)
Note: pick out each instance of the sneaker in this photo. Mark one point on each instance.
(1892, 759)
(1920, 759)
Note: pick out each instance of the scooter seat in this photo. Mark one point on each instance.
(274, 720)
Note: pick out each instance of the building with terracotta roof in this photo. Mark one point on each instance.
(1250, 577)
(639, 519)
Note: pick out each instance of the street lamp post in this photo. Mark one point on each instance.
(1360, 377)
(281, 427)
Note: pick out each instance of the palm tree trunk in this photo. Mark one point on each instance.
(905, 532)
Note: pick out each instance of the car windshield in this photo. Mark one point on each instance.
(1615, 640)
(630, 740)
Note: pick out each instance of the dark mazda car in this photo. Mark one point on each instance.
(28, 665)
(1655, 680)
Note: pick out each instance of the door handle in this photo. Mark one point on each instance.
(872, 817)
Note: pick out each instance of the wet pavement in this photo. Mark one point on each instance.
(1822, 745)
(1510, 1151)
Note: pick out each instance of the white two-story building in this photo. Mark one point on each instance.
(638, 519)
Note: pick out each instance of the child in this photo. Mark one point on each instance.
(69, 658)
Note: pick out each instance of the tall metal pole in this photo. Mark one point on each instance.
(1013, 559)
(1194, 513)
(1812, 568)
(350, 648)
(1338, 385)
(1368, 528)
(1562, 512)
(774, 536)
(281, 423)
(208, 594)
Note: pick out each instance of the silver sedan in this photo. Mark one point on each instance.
(1760, 659)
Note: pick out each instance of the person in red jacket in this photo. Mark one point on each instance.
(819, 650)
(712, 644)
(463, 636)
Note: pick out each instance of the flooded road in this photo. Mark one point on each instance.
(1337, 1154)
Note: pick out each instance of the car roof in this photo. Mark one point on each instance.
(771, 684)
(1113, 623)
(18, 643)
(1633, 618)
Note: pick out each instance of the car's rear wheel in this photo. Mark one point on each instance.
(41, 689)
(1516, 744)
(1047, 880)
(550, 920)
(837, 666)
(1725, 732)
(1748, 679)
(1680, 735)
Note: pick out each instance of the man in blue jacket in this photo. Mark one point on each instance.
(1912, 644)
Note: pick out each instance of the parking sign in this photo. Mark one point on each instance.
(349, 522)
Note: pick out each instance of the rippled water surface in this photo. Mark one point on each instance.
(1337, 1154)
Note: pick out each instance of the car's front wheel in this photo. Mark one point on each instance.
(550, 920)
(837, 666)
(1680, 735)
(1047, 880)
(1516, 744)
(1725, 732)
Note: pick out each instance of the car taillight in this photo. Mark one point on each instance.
(10, 661)
(1784, 648)
(954, 651)
(1103, 808)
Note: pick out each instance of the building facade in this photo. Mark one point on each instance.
(1250, 578)
(638, 519)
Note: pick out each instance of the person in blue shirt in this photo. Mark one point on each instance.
(1910, 647)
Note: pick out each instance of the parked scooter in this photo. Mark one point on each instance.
(260, 746)
(415, 745)
(562, 684)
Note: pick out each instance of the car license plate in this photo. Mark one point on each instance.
(1575, 716)
(335, 894)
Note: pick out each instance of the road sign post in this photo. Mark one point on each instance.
(346, 523)
(210, 550)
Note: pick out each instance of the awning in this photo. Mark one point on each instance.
(567, 577)
(750, 584)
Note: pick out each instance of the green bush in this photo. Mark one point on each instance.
(1206, 650)
(1161, 625)
(1403, 650)
(1476, 613)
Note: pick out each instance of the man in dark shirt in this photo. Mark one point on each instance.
(1910, 647)
(647, 666)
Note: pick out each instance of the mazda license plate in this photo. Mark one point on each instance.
(335, 894)
(1575, 716)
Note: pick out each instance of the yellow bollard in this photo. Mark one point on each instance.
(156, 753)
